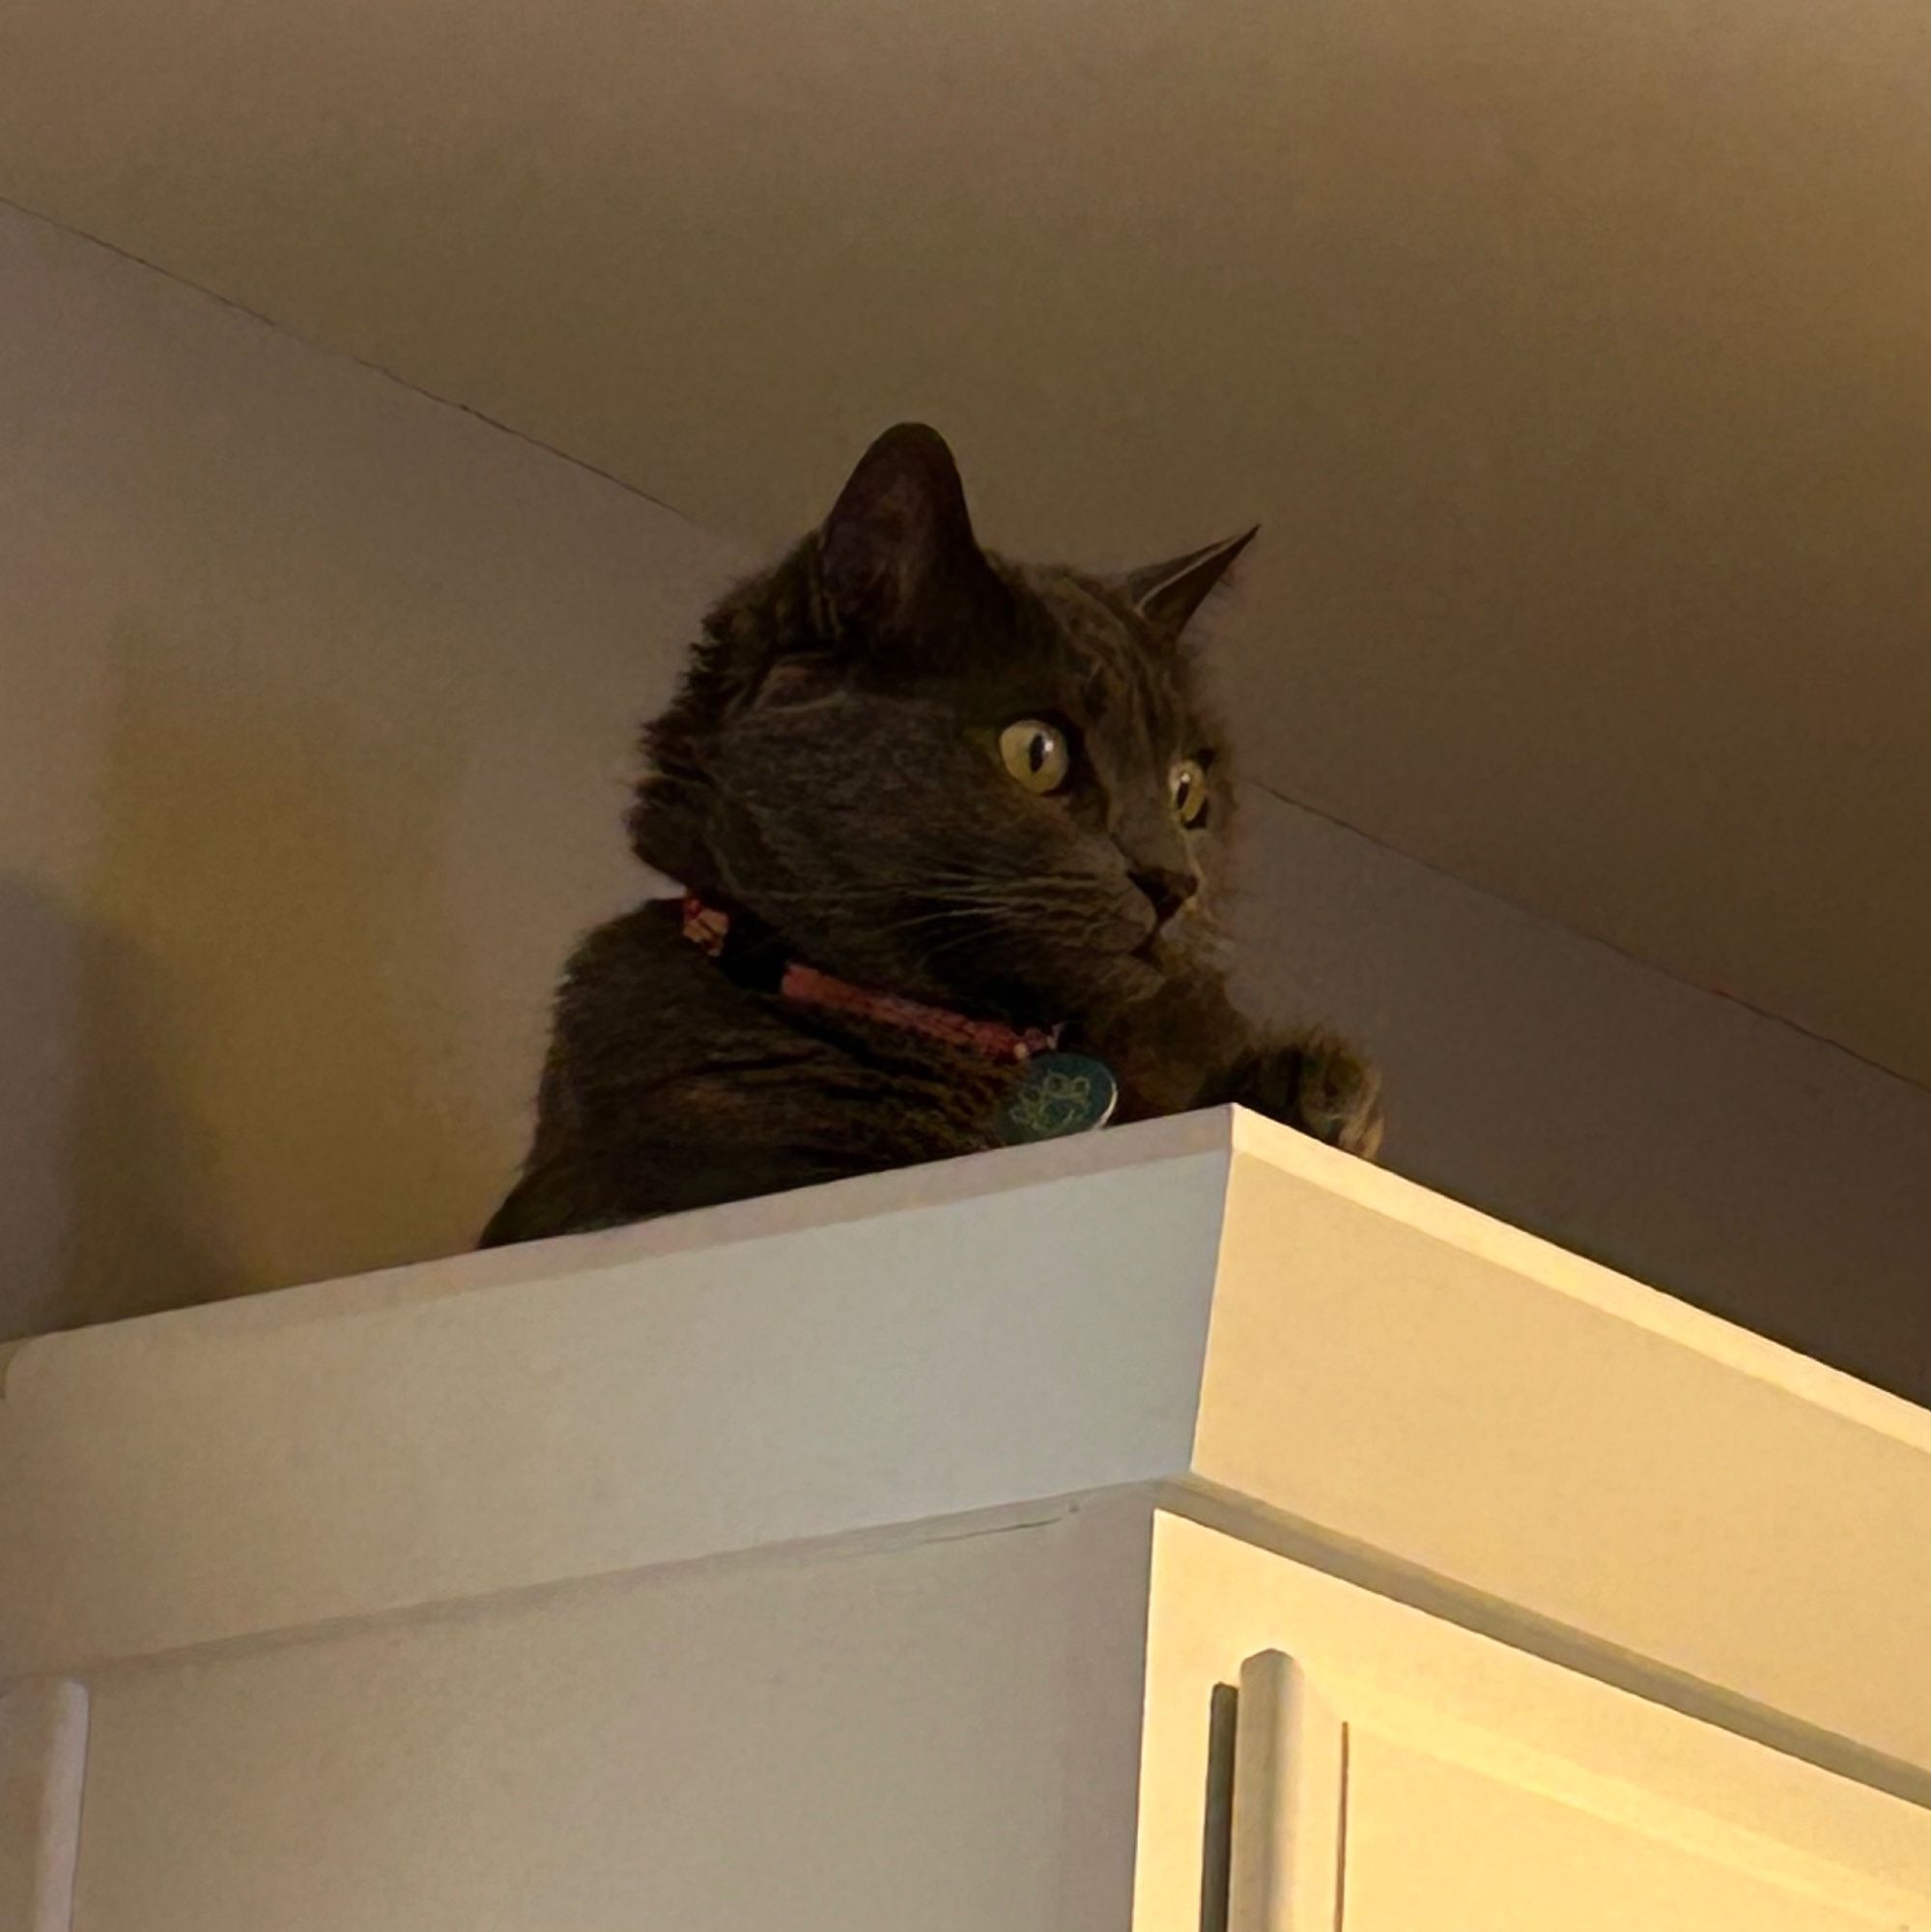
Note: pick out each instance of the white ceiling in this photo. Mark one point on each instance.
(1577, 360)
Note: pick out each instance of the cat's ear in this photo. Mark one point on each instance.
(898, 549)
(1168, 594)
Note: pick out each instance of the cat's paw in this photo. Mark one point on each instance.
(1339, 1096)
(1321, 1085)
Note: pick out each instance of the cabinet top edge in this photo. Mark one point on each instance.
(1574, 1277)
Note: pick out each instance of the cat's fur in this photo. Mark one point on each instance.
(829, 773)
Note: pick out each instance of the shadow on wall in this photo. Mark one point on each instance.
(237, 1064)
(39, 999)
(113, 1206)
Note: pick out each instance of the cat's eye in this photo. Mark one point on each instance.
(1036, 754)
(1187, 786)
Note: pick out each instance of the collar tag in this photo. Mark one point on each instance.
(1057, 1093)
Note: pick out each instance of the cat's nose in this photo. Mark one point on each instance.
(1167, 891)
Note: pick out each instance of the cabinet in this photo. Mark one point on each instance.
(1184, 1529)
(1386, 1770)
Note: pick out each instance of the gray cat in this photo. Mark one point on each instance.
(951, 832)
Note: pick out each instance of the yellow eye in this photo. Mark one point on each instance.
(1187, 783)
(1036, 753)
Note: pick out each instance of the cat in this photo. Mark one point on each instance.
(940, 819)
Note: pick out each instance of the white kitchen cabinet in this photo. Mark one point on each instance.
(1181, 1530)
(1391, 1771)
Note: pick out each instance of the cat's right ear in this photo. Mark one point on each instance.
(897, 551)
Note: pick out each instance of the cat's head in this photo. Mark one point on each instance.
(941, 774)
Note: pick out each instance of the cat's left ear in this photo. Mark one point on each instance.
(1168, 594)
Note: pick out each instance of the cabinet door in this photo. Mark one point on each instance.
(834, 1741)
(1380, 1769)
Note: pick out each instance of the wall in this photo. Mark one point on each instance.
(315, 706)
(316, 703)
(1701, 1147)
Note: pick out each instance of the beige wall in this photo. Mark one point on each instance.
(315, 700)
(316, 705)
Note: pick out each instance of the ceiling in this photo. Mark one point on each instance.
(1577, 361)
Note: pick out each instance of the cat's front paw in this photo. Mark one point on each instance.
(1321, 1085)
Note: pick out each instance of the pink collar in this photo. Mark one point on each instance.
(707, 928)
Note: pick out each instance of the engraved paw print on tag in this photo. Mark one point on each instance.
(1057, 1093)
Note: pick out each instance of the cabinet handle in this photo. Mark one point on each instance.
(42, 1763)
(1290, 1853)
